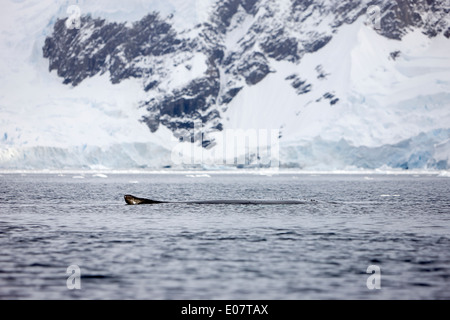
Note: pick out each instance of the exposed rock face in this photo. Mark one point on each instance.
(218, 58)
(100, 46)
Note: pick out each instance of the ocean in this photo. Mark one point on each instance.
(358, 236)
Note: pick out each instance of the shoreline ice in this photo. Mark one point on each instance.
(232, 171)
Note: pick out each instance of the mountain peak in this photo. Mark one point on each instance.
(325, 70)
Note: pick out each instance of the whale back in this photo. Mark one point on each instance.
(132, 200)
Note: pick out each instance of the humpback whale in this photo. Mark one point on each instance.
(132, 200)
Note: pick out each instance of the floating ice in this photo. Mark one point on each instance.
(99, 175)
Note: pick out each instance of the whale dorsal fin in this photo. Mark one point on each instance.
(132, 200)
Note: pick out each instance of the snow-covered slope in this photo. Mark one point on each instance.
(382, 101)
(45, 124)
(137, 76)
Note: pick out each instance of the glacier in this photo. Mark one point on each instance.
(361, 101)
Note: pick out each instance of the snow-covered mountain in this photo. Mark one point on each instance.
(343, 89)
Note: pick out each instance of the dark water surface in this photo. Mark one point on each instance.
(320, 250)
